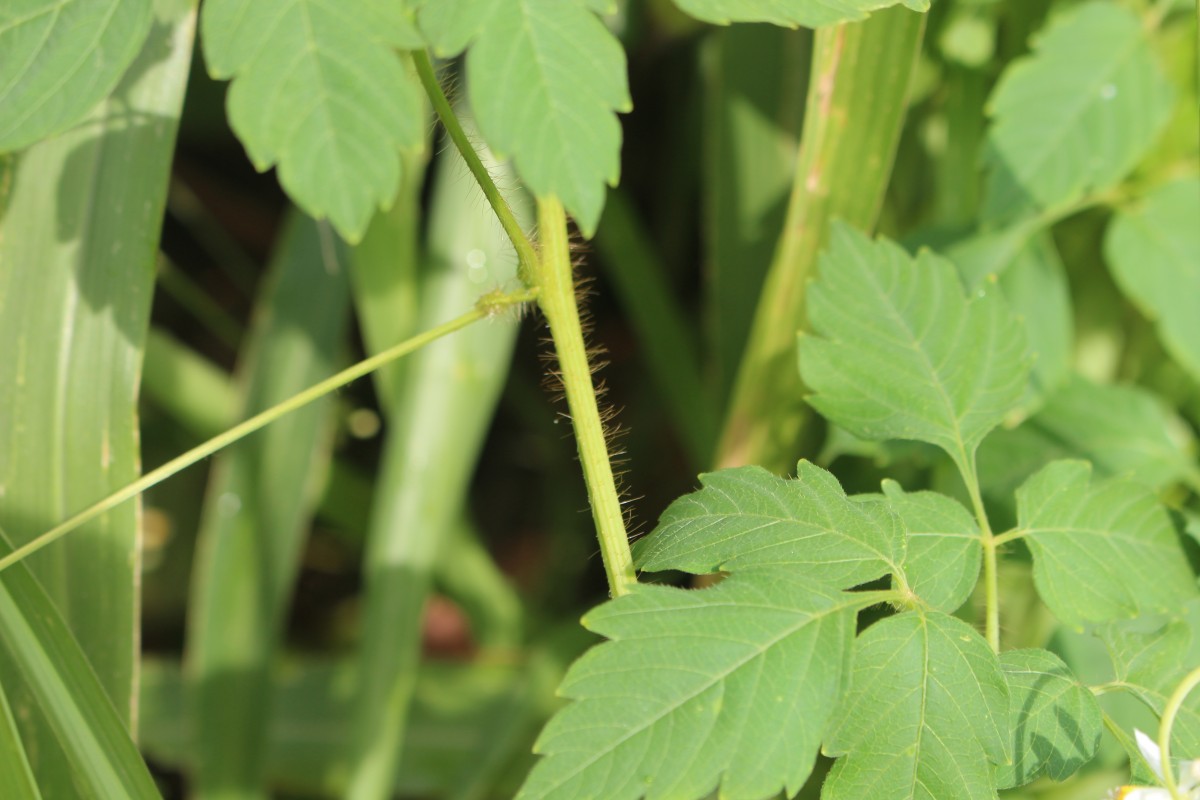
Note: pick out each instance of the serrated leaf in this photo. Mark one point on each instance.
(732, 685)
(1153, 250)
(746, 517)
(900, 353)
(792, 13)
(545, 78)
(1056, 721)
(1101, 552)
(926, 712)
(319, 92)
(1077, 114)
(943, 556)
(60, 58)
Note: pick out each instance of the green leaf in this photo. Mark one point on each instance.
(746, 517)
(1077, 114)
(792, 13)
(36, 644)
(1101, 552)
(942, 561)
(900, 353)
(544, 77)
(927, 709)
(319, 91)
(1055, 720)
(61, 57)
(731, 685)
(16, 776)
(1153, 250)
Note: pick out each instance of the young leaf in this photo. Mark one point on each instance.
(1055, 720)
(1077, 114)
(942, 560)
(926, 711)
(731, 685)
(61, 57)
(319, 91)
(792, 13)
(900, 353)
(745, 517)
(1101, 552)
(545, 77)
(1153, 250)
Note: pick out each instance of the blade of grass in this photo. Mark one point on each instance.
(857, 97)
(437, 425)
(259, 503)
(197, 394)
(77, 248)
(16, 776)
(36, 645)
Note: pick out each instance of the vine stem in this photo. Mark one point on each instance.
(555, 280)
(1167, 723)
(487, 305)
(991, 580)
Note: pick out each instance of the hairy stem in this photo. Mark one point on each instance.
(1168, 722)
(557, 299)
(487, 305)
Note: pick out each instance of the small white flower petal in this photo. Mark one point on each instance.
(1142, 793)
(1149, 752)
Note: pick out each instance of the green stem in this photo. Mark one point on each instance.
(557, 300)
(991, 581)
(487, 305)
(526, 256)
(1168, 722)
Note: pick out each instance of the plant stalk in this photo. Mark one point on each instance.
(1167, 723)
(991, 581)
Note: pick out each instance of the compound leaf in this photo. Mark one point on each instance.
(1101, 552)
(1153, 250)
(61, 57)
(734, 685)
(942, 560)
(1077, 114)
(319, 91)
(746, 517)
(901, 353)
(792, 13)
(927, 709)
(545, 78)
(1056, 721)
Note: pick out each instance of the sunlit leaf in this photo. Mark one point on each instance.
(792, 13)
(942, 561)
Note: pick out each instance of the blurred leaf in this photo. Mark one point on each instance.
(1077, 114)
(187, 386)
(792, 13)
(36, 644)
(747, 517)
(319, 92)
(1103, 551)
(926, 711)
(16, 776)
(256, 515)
(545, 78)
(735, 686)
(898, 352)
(62, 57)
(942, 561)
(1055, 720)
(77, 247)
(1154, 252)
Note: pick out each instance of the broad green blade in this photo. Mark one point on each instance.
(1055, 720)
(900, 352)
(77, 248)
(546, 79)
(1077, 114)
(745, 517)
(260, 501)
(437, 424)
(36, 645)
(1101, 552)
(61, 57)
(16, 776)
(926, 711)
(1153, 250)
(734, 687)
(792, 13)
(941, 563)
(320, 93)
